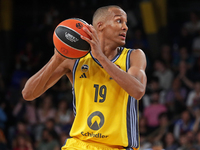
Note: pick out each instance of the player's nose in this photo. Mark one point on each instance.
(125, 27)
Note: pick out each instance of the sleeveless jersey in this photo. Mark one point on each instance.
(104, 112)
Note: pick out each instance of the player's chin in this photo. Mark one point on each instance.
(122, 43)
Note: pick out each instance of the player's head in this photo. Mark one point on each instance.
(111, 21)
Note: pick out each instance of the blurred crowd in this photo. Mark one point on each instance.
(169, 111)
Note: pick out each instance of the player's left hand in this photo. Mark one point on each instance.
(93, 41)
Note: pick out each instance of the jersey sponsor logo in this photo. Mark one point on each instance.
(83, 76)
(91, 134)
(96, 120)
(84, 68)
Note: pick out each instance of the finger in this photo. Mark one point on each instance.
(92, 35)
(86, 39)
(91, 28)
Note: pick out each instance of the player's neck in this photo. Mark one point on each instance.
(109, 52)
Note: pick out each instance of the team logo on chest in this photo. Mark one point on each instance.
(84, 68)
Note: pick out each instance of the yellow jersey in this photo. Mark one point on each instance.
(104, 112)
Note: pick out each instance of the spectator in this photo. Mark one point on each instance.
(20, 129)
(153, 86)
(22, 142)
(3, 141)
(138, 41)
(63, 89)
(185, 56)
(166, 55)
(46, 110)
(184, 143)
(183, 125)
(176, 97)
(193, 25)
(196, 45)
(48, 141)
(163, 129)
(19, 110)
(64, 116)
(196, 125)
(3, 115)
(25, 58)
(30, 115)
(144, 143)
(156, 146)
(49, 125)
(185, 75)
(170, 142)
(197, 143)
(144, 130)
(153, 111)
(164, 74)
(196, 69)
(185, 39)
(193, 99)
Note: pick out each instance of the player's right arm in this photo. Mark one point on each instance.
(47, 76)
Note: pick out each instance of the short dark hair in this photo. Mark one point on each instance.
(101, 12)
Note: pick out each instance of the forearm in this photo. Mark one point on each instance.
(188, 82)
(37, 84)
(196, 125)
(128, 82)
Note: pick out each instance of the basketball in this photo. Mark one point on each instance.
(67, 38)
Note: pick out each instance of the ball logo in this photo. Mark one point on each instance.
(70, 37)
(79, 25)
(96, 120)
(65, 51)
(84, 68)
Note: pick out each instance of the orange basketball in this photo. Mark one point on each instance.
(67, 38)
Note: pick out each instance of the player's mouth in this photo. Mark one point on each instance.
(123, 35)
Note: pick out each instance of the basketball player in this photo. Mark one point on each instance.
(107, 84)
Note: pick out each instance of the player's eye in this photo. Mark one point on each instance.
(119, 20)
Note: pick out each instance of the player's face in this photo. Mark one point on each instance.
(115, 26)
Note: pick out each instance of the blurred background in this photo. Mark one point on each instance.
(168, 31)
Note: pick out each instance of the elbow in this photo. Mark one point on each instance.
(27, 95)
(139, 94)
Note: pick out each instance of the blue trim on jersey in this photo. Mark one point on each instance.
(128, 59)
(132, 115)
(132, 123)
(73, 92)
(113, 60)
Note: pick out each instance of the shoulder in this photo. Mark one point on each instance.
(138, 53)
(138, 58)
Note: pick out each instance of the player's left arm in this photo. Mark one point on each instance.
(137, 71)
(133, 81)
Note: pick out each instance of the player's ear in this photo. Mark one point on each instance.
(100, 26)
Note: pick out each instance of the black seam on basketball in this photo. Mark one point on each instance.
(70, 57)
(72, 47)
(69, 28)
(78, 20)
(77, 45)
(64, 55)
